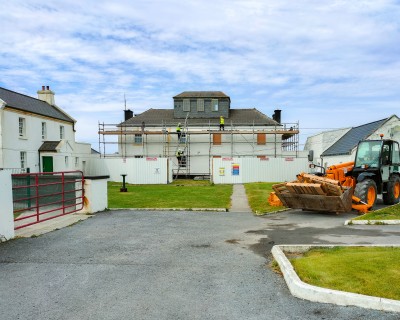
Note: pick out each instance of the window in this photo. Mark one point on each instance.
(22, 156)
(22, 127)
(214, 104)
(138, 138)
(76, 162)
(66, 161)
(216, 139)
(62, 133)
(200, 104)
(186, 105)
(44, 130)
(261, 138)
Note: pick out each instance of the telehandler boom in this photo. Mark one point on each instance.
(346, 186)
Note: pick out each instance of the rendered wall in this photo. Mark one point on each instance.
(6, 208)
(96, 195)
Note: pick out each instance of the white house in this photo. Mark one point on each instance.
(36, 134)
(247, 133)
(339, 146)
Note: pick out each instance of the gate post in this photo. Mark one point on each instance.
(6, 208)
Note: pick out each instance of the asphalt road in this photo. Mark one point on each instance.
(171, 265)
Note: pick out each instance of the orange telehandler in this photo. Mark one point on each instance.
(346, 186)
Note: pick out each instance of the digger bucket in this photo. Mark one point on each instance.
(316, 202)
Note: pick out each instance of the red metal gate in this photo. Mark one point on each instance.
(42, 196)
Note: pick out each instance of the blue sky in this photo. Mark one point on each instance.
(325, 64)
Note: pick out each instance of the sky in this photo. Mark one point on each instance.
(325, 63)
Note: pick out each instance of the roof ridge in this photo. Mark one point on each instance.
(25, 95)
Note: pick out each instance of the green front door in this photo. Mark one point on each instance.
(47, 164)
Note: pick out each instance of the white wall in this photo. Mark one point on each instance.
(257, 170)
(6, 207)
(202, 147)
(150, 170)
(96, 198)
(322, 141)
(13, 143)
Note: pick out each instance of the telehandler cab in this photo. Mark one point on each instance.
(347, 185)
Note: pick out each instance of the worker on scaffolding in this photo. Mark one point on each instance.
(178, 131)
(179, 154)
(221, 123)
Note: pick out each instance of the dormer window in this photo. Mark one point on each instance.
(214, 104)
(186, 105)
(200, 105)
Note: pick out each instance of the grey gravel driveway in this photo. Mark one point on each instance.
(170, 265)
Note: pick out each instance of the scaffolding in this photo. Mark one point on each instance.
(283, 138)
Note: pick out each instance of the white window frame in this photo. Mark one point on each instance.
(44, 131)
(66, 160)
(200, 105)
(62, 132)
(138, 139)
(76, 162)
(214, 105)
(22, 127)
(23, 159)
(186, 105)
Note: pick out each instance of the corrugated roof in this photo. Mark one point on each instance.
(49, 146)
(25, 103)
(160, 117)
(350, 140)
(201, 94)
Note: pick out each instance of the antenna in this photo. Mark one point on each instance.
(125, 101)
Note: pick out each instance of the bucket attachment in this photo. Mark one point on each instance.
(315, 193)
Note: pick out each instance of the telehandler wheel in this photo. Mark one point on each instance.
(393, 190)
(366, 190)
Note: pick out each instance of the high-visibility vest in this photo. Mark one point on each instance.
(178, 129)
(179, 153)
(221, 121)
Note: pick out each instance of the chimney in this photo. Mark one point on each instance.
(46, 95)
(277, 115)
(128, 114)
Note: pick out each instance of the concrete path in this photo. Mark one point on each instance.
(50, 225)
(239, 199)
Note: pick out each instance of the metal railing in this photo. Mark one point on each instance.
(39, 197)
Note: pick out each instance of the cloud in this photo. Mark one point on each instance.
(315, 60)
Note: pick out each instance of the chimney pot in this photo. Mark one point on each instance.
(43, 87)
(48, 88)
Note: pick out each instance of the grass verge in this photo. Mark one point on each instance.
(388, 213)
(257, 195)
(180, 194)
(370, 271)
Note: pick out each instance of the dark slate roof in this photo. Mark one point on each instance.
(160, 117)
(49, 146)
(25, 103)
(201, 94)
(350, 140)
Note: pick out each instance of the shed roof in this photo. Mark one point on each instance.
(349, 141)
(49, 146)
(238, 117)
(26, 103)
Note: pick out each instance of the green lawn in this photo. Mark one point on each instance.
(364, 270)
(388, 213)
(257, 194)
(180, 194)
